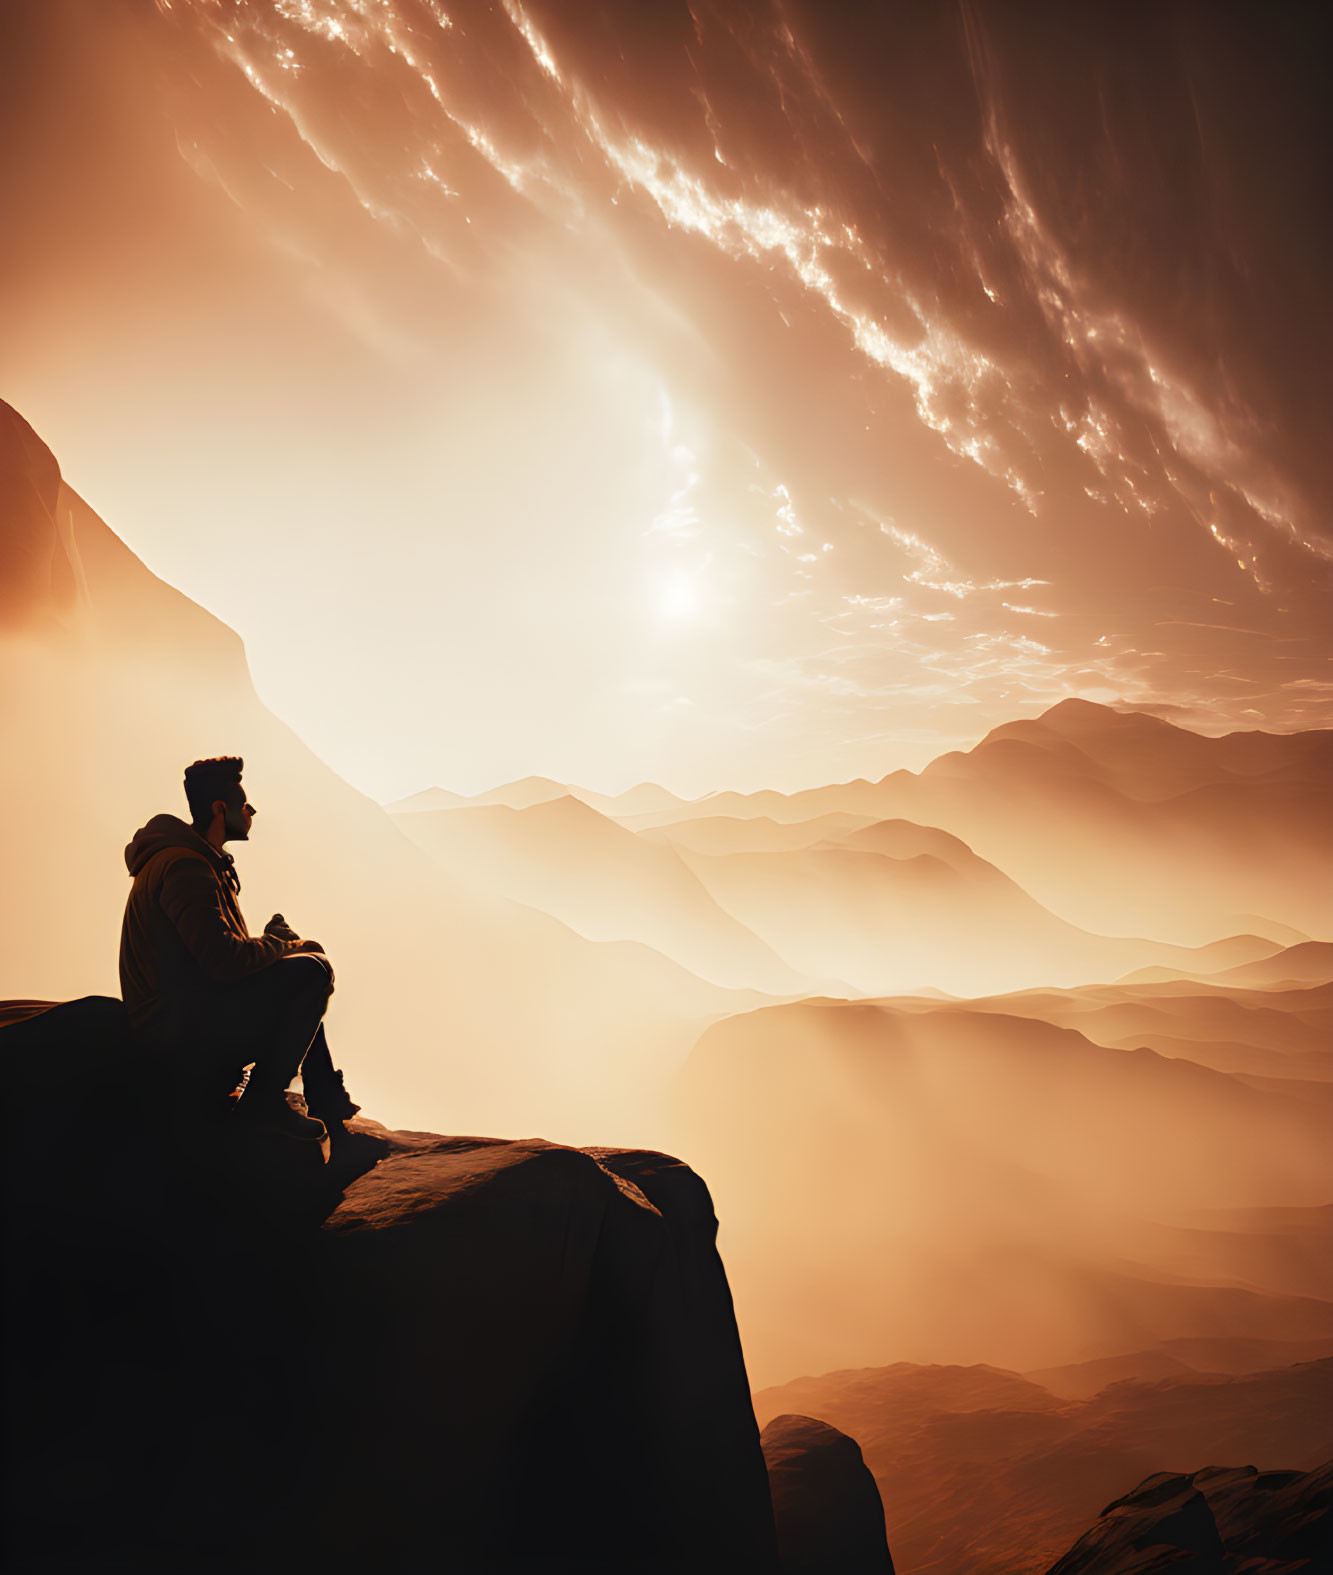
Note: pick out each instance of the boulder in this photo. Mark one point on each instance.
(1165, 1523)
(1218, 1521)
(482, 1355)
(830, 1520)
(1283, 1517)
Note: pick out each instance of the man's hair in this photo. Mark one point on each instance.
(207, 781)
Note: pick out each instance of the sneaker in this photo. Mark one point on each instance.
(330, 1100)
(282, 1120)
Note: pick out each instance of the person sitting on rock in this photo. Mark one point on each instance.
(204, 996)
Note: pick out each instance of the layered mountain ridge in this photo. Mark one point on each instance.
(1119, 822)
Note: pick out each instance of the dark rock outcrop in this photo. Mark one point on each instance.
(1218, 1521)
(830, 1520)
(480, 1356)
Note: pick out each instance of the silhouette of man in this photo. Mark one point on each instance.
(205, 995)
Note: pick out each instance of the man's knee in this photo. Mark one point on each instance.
(305, 977)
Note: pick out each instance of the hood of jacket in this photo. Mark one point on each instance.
(170, 831)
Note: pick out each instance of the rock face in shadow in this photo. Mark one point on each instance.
(830, 1520)
(1218, 1521)
(480, 1356)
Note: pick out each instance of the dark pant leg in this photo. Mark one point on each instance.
(317, 1070)
(272, 1016)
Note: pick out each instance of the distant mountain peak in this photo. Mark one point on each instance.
(428, 798)
(566, 803)
(1083, 716)
(532, 782)
(1074, 708)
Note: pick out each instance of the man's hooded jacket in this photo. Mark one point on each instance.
(183, 939)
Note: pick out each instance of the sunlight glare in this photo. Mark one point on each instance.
(678, 599)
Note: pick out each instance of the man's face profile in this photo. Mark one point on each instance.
(237, 813)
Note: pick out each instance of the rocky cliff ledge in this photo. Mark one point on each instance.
(479, 1356)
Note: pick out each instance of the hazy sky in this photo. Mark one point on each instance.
(728, 395)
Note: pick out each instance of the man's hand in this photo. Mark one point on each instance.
(278, 927)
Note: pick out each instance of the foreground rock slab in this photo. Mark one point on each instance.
(558, 1330)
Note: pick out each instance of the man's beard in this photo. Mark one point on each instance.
(235, 826)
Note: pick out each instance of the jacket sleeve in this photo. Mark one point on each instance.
(192, 900)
